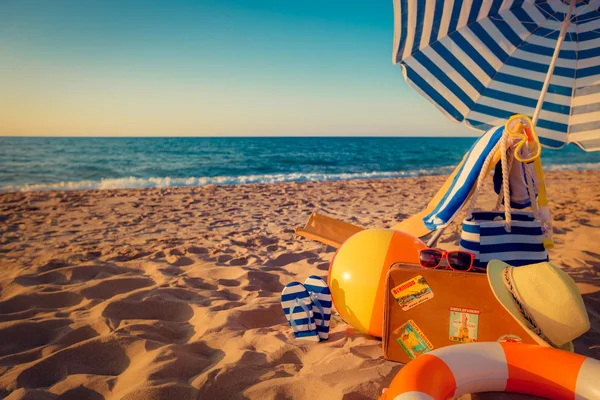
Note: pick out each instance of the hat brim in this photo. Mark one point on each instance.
(495, 270)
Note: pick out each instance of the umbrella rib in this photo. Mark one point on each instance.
(547, 13)
(579, 12)
(495, 17)
(589, 19)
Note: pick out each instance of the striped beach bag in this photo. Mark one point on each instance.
(515, 237)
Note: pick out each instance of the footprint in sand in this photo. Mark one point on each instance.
(227, 306)
(112, 287)
(229, 282)
(289, 258)
(105, 355)
(226, 295)
(176, 252)
(162, 332)
(223, 258)
(182, 362)
(197, 250)
(129, 255)
(169, 390)
(159, 254)
(39, 301)
(238, 261)
(70, 275)
(25, 335)
(198, 283)
(287, 356)
(179, 261)
(53, 264)
(237, 376)
(265, 241)
(255, 318)
(73, 336)
(92, 255)
(259, 280)
(184, 294)
(81, 392)
(155, 309)
(323, 266)
(171, 271)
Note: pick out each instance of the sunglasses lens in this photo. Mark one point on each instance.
(459, 260)
(430, 258)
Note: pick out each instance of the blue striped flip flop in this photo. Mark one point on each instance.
(297, 308)
(320, 296)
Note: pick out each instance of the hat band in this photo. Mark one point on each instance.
(508, 282)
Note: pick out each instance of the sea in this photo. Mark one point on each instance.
(67, 163)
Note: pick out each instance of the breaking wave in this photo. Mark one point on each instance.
(136, 183)
(157, 182)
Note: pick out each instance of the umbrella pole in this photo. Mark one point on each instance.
(561, 38)
(432, 242)
(542, 199)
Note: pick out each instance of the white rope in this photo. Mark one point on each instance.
(507, 162)
(511, 162)
(529, 177)
(505, 181)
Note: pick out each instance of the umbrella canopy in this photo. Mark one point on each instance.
(481, 61)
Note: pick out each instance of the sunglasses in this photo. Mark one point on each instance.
(457, 260)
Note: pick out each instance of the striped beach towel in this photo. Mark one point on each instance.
(464, 181)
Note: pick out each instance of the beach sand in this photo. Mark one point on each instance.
(174, 293)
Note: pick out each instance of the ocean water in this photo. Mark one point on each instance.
(39, 163)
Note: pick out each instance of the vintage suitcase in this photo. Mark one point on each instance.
(427, 309)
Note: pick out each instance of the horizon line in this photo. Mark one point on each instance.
(236, 136)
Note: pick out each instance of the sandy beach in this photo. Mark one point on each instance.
(174, 293)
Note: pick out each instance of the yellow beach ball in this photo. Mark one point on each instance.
(358, 271)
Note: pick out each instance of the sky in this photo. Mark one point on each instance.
(206, 68)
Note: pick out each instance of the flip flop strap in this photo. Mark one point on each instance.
(317, 303)
(303, 306)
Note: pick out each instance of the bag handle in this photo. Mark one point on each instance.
(505, 180)
(529, 178)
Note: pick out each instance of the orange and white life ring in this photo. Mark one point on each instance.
(452, 371)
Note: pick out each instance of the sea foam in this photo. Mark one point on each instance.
(155, 182)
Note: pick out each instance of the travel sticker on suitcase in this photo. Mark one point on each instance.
(412, 293)
(412, 339)
(464, 324)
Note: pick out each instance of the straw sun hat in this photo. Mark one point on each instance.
(543, 299)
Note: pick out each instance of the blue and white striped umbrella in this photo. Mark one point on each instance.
(481, 61)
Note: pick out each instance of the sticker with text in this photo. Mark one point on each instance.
(412, 340)
(464, 324)
(412, 293)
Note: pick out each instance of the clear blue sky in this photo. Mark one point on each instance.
(206, 68)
